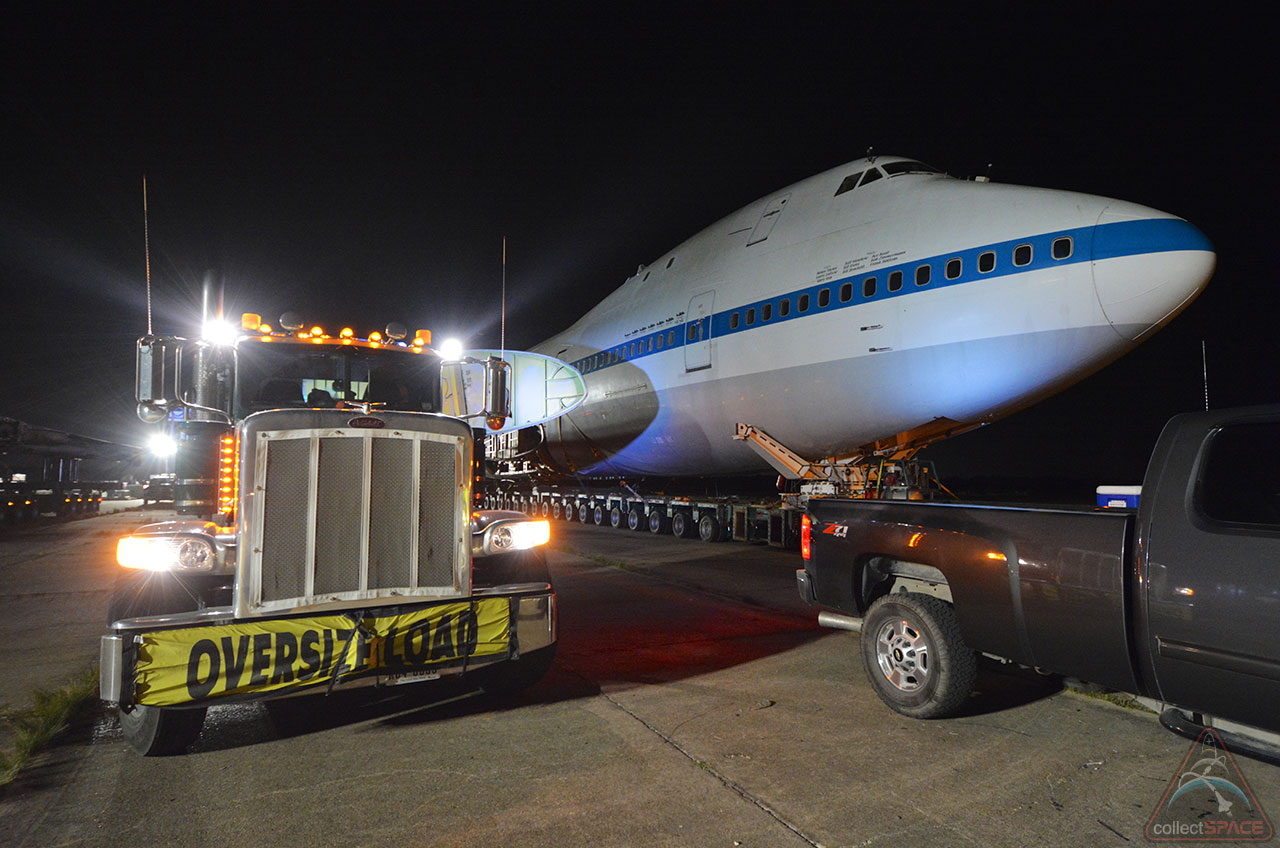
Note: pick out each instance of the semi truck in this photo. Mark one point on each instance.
(1174, 601)
(328, 531)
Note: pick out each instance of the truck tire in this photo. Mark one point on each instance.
(514, 676)
(659, 523)
(160, 731)
(615, 518)
(636, 520)
(682, 526)
(598, 516)
(709, 529)
(914, 656)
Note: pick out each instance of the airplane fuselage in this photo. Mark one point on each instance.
(832, 317)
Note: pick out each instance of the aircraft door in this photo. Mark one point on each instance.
(697, 331)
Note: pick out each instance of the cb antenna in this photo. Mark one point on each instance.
(502, 332)
(146, 248)
(1204, 363)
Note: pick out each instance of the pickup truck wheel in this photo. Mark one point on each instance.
(158, 731)
(914, 655)
(514, 676)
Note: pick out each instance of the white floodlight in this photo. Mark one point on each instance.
(162, 445)
(451, 350)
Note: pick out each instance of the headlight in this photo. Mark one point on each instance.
(154, 553)
(516, 536)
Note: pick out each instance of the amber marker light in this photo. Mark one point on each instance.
(347, 333)
(996, 556)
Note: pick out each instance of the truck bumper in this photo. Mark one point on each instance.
(273, 647)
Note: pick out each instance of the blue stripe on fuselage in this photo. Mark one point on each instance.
(1106, 241)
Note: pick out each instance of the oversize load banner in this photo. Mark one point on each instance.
(204, 663)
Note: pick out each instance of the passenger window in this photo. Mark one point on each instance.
(693, 333)
(766, 312)
(784, 308)
(1238, 472)
(922, 275)
(1022, 255)
(869, 287)
(751, 317)
(660, 341)
(895, 281)
(733, 321)
(954, 267)
(846, 292)
(803, 303)
(987, 262)
(650, 345)
(671, 338)
(824, 298)
(1062, 248)
(633, 350)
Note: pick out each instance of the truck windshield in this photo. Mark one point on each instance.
(274, 376)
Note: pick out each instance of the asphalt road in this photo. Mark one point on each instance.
(693, 702)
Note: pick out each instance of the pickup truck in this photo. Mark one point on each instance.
(1176, 601)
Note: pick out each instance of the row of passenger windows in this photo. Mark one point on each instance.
(627, 351)
(952, 269)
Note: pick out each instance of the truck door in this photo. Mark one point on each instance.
(1212, 566)
(697, 331)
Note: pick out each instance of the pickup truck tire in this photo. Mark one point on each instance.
(914, 656)
(159, 731)
(514, 676)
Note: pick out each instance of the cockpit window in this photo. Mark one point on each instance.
(849, 183)
(893, 169)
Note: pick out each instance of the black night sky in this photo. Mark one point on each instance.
(361, 163)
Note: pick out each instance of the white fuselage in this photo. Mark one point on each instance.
(788, 315)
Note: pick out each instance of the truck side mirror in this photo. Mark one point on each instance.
(497, 406)
(156, 378)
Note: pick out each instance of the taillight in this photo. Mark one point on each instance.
(228, 474)
(806, 536)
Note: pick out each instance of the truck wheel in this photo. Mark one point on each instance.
(659, 523)
(615, 518)
(709, 529)
(636, 520)
(598, 516)
(514, 676)
(158, 731)
(682, 525)
(913, 653)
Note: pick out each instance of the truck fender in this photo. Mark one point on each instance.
(882, 575)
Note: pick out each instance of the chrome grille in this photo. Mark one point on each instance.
(344, 515)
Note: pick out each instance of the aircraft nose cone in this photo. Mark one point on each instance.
(1147, 267)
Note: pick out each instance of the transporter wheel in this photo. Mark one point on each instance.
(635, 519)
(514, 676)
(913, 653)
(682, 526)
(555, 510)
(709, 529)
(615, 518)
(159, 731)
(658, 522)
(583, 513)
(598, 516)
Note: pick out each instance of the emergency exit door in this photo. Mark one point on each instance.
(697, 331)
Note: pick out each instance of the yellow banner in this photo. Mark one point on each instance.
(206, 663)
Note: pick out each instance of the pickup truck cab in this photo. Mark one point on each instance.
(1177, 601)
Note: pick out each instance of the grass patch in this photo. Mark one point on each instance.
(27, 731)
(1120, 699)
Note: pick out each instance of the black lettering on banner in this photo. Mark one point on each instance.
(196, 687)
(343, 643)
(261, 658)
(327, 662)
(389, 658)
(309, 655)
(442, 639)
(235, 662)
(417, 642)
(468, 633)
(286, 653)
(363, 646)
